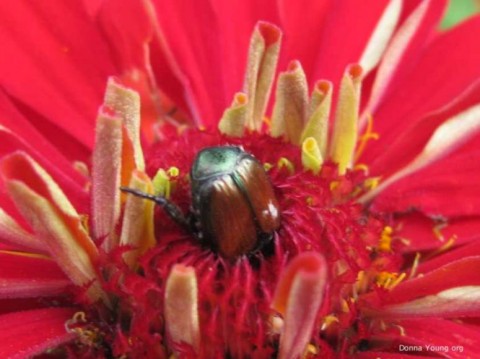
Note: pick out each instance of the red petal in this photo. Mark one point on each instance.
(471, 249)
(25, 334)
(405, 120)
(70, 180)
(208, 49)
(461, 340)
(463, 272)
(335, 47)
(419, 230)
(24, 276)
(48, 61)
(448, 188)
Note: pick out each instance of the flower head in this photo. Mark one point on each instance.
(333, 212)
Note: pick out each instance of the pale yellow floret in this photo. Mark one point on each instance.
(164, 181)
(318, 115)
(290, 108)
(234, 118)
(138, 224)
(312, 158)
(181, 306)
(345, 129)
(261, 65)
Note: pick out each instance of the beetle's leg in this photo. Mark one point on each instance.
(170, 208)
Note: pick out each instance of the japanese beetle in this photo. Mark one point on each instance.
(234, 208)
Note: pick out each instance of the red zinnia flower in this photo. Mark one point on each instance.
(375, 174)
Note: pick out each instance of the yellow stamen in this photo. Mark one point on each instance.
(389, 280)
(437, 231)
(267, 166)
(329, 320)
(400, 328)
(345, 306)
(285, 162)
(416, 261)
(345, 130)
(371, 183)
(446, 246)
(361, 284)
(311, 157)
(361, 167)
(367, 136)
(310, 350)
(385, 243)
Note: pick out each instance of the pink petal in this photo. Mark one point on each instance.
(28, 333)
(25, 276)
(47, 64)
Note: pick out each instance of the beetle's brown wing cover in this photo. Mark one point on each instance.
(257, 187)
(228, 221)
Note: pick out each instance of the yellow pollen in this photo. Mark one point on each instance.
(367, 136)
(309, 201)
(328, 321)
(267, 166)
(310, 350)
(389, 280)
(446, 246)
(437, 231)
(285, 162)
(361, 284)
(361, 167)
(371, 183)
(334, 185)
(345, 306)
(385, 243)
(400, 328)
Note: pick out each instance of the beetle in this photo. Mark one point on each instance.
(234, 207)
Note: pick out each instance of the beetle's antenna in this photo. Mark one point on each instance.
(170, 208)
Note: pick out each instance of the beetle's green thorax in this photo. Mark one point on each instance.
(214, 161)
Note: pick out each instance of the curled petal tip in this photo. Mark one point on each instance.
(298, 297)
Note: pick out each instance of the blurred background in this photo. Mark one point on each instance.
(460, 10)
